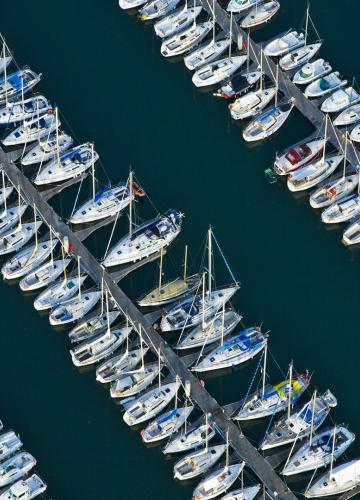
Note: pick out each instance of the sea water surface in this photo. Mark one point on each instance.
(103, 68)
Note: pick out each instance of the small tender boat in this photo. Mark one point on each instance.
(333, 190)
(167, 423)
(71, 164)
(217, 71)
(133, 382)
(47, 148)
(15, 468)
(146, 240)
(44, 275)
(237, 6)
(17, 84)
(351, 235)
(268, 122)
(302, 421)
(131, 4)
(58, 292)
(217, 327)
(310, 175)
(273, 399)
(194, 309)
(325, 85)
(239, 84)
(328, 445)
(170, 291)
(185, 40)
(349, 116)
(280, 46)
(74, 309)
(260, 14)
(206, 53)
(342, 211)
(218, 482)
(10, 217)
(177, 21)
(15, 112)
(150, 404)
(32, 130)
(14, 239)
(298, 156)
(157, 8)
(312, 71)
(339, 100)
(92, 326)
(9, 444)
(252, 103)
(342, 478)
(244, 346)
(298, 57)
(25, 489)
(124, 362)
(248, 493)
(193, 437)
(198, 462)
(97, 348)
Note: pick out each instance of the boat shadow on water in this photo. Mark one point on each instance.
(226, 371)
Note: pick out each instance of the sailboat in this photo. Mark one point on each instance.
(133, 382)
(25, 489)
(269, 122)
(338, 480)
(10, 443)
(280, 46)
(11, 216)
(182, 42)
(218, 481)
(193, 437)
(239, 6)
(198, 462)
(14, 239)
(60, 291)
(340, 99)
(44, 275)
(74, 309)
(206, 53)
(325, 85)
(47, 148)
(177, 21)
(15, 84)
(299, 155)
(27, 109)
(92, 326)
(32, 130)
(157, 8)
(97, 348)
(167, 423)
(261, 13)
(248, 493)
(16, 467)
(312, 71)
(131, 4)
(217, 71)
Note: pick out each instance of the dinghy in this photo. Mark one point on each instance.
(299, 155)
(58, 292)
(217, 71)
(167, 423)
(324, 447)
(217, 482)
(260, 14)
(349, 116)
(237, 6)
(248, 493)
(244, 346)
(115, 367)
(310, 175)
(342, 478)
(16, 84)
(14, 239)
(268, 122)
(298, 57)
(92, 326)
(32, 130)
(98, 348)
(15, 468)
(198, 462)
(74, 309)
(252, 103)
(325, 85)
(9, 444)
(177, 21)
(339, 100)
(44, 275)
(239, 84)
(303, 420)
(70, 165)
(206, 53)
(185, 40)
(157, 8)
(11, 216)
(150, 404)
(193, 437)
(28, 109)
(351, 235)
(133, 382)
(47, 148)
(312, 71)
(25, 489)
(280, 46)
(343, 210)
(333, 190)
(216, 328)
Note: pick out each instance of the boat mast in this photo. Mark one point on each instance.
(222, 324)
(141, 346)
(264, 370)
(159, 365)
(93, 171)
(130, 206)
(5, 74)
(261, 69)
(102, 295)
(277, 84)
(209, 259)
(345, 154)
(36, 233)
(203, 302)
(230, 36)
(214, 24)
(248, 52)
(206, 432)
(4, 190)
(185, 262)
(79, 272)
(51, 246)
(57, 135)
(307, 23)
(227, 450)
(19, 204)
(312, 419)
(160, 272)
(325, 137)
(127, 336)
(108, 331)
(290, 389)
(332, 454)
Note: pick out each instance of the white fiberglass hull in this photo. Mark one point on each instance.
(16, 112)
(324, 86)
(34, 130)
(206, 53)
(344, 477)
(74, 309)
(44, 275)
(176, 22)
(312, 71)
(27, 260)
(192, 438)
(260, 14)
(333, 190)
(96, 349)
(281, 46)
(60, 291)
(217, 482)
(217, 71)
(14, 239)
(132, 383)
(119, 364)
(311, 175)
(268, 123)
(251, 103)
(351, 235)
(198, 462)
(47, 149)
(299, 57)
(183, 42)
(166, 424)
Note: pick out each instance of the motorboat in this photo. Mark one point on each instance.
(303, 419)
(147, 239)
(44, 275)
(17, 84)
(299, 155)
(244, 346)
(170, 291)
(339, 100)
(25, 489)
(251, 103)
(157, 8)
(131, 383)
(310, 175)
(150, 404)
(324, 447)
(298, 57)
(58, 292)
(218, 482)
(345, 209)
(74, 309)
(167, 423)
(15, 468)
(247, 493)
(47, 148)
(273, 399)
(260, 14)
(237, 6)
(71, 164)
(131, 4)
(217, 327)
(268, 122)
(9, 444)
(217, 71)
(340, 479)
(349, 116)
(182, 42)
(280, 46)
(333, 190)
(177, 21)
(325, 85)
(28, 109)
(92, 326)
(122, 363)
(239, 84)
(193, 437)
(15, 238)
(351, 235)
(312, 71)
(206, 53)
(198, 462)
(97, 348)
(11, 216)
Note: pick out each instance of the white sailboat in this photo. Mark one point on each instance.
(351, 235)
(16, 84)
(131, 4)
(337, 480)
(44, 275)
(218, 482)
(280, 46)
(269, 122)
(217, 71)
(14, 239)
(248, 493)
(27, 109)
(237, 6)
(193, 437)
(177, 21)
(32, 130)
(47, 148)
(133, 382)
(167, 423)
(312, 71)
(198, 462)
(206, 53)
(97, 348)
(92, 326)
(343, 210)
(11, 216)
(60, 291)
(182, 42)
(311, 175)
(155, 9)
(261, 13)
(325, 85)
(74, 309)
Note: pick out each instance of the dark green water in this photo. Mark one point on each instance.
(104, 71)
